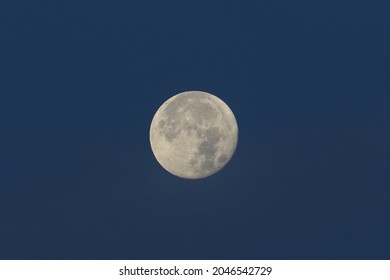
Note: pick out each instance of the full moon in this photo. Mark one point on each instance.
(193, 134)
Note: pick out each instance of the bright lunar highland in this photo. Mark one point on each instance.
(193, 134)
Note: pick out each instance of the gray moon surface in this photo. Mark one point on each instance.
(193, 134)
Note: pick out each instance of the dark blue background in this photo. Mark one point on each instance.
(308, 81)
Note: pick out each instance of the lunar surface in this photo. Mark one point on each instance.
(193, 134)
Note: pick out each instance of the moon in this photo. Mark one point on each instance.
(193, 134)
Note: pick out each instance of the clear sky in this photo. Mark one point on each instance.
(308, 81)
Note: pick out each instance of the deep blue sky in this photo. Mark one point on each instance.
(308, 81)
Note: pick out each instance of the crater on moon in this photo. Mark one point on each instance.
(193, 134)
